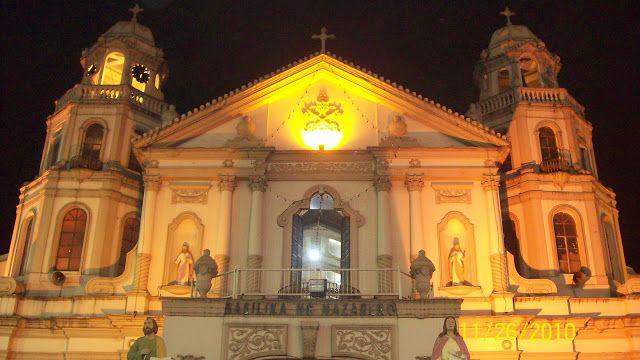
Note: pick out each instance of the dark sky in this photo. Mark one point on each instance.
(430, 47)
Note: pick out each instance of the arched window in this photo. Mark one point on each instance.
(26, 240)
(321, 201)
(129, 240)
(530, 73)
(92, 143)
(566, 236)
(504, 80)
(112, 71)
(548, 146)
(72, 233)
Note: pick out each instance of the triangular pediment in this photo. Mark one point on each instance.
(276, 112)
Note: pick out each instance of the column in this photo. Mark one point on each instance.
(145, 239)
(258, 185)
(227, 185)
(415, 184)
(382, 185)
(490, 185)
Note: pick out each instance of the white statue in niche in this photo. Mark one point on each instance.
(184, 261)
(456, 264)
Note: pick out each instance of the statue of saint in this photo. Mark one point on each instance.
(449, 344)
(456, 263)
(421, 271)
(184, 260)
(149, 345)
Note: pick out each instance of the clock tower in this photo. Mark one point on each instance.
(81, 216)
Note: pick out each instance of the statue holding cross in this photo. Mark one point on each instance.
(323, 36)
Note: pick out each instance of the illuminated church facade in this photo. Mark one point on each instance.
(321, 170)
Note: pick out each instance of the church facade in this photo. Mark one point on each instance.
(317, 189)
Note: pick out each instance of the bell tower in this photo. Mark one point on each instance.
(81, 216)
(558, 218)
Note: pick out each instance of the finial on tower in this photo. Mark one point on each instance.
(508, 14)
(323, 36)
(135, 10)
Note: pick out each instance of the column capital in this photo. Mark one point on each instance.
(227, 183)
(414, 182)
(490, 182)
(258, 183)
(151, 182)
(382, 183)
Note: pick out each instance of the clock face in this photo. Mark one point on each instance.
(140, 73)
(92, 70)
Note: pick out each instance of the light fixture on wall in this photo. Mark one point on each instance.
(322, 132)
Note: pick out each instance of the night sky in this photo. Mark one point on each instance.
(430, 47)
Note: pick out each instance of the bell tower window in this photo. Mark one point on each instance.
(504, 80)
(564, 228)
(71, 240)
(548, 146)
(530, 73)
(112, 72)
(92, 143)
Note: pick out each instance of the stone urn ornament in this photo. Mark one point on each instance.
(205, 269)
(421, 270)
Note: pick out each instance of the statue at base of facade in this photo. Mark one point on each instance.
(148, 346)
(184, 261)
(456, 264)
(421, 270)
(449, 344)
(205, 269)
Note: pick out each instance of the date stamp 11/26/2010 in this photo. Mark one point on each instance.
(535, 331)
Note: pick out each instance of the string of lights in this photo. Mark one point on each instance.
(288, 200)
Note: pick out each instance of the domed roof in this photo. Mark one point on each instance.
(131, 28)
(511, 32)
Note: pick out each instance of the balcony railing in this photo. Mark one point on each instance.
(294, 283)
(561, 162)
(85, 162)
(559, 96)
(85, 93)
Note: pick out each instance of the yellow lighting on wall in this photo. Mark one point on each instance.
(323, 131)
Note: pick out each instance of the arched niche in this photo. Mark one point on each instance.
(356, 220)
(455, 225)
(186, 227)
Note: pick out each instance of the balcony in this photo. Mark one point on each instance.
(295, 283)
(111, 94)
(560, 163)
(554, 96)
(84, 162)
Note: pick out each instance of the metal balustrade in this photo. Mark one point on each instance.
(560, 162)
(294, 283)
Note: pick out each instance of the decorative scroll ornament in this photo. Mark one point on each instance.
(189, 193)
(250, 341)
(453, 196)
(363, 342)
(315, 167)
(322, 131)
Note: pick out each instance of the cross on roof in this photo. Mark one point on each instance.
(323, 36)
(508, 14)
(135, 10)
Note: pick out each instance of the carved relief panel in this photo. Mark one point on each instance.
(371, 342)
(452, 192)
(250, 341)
